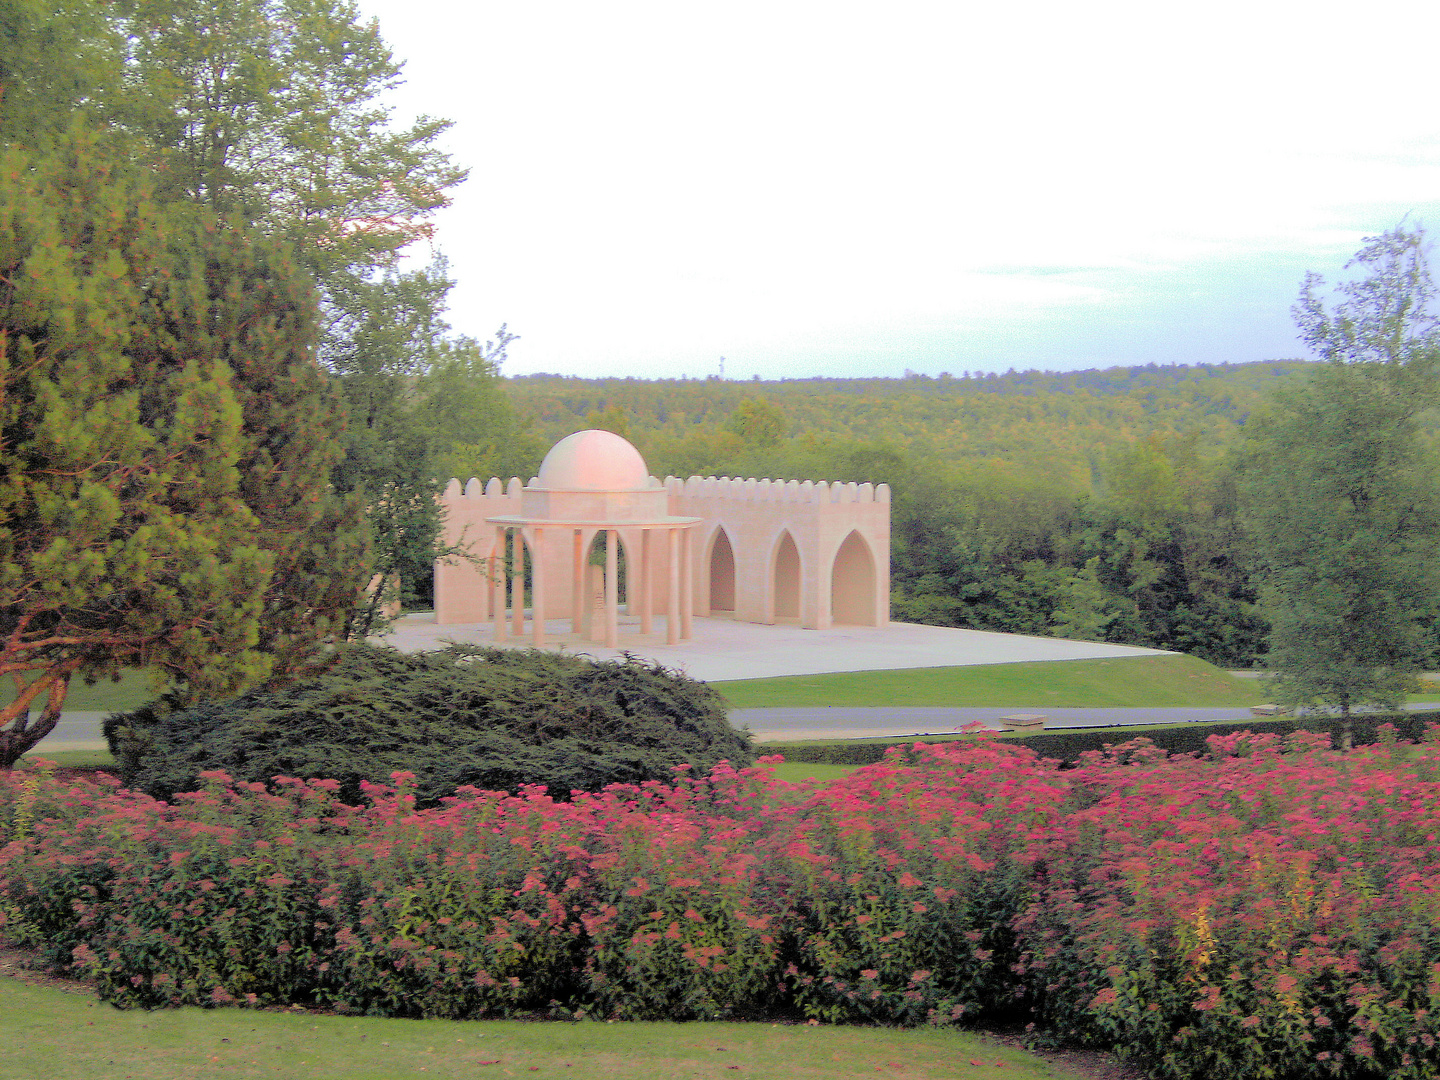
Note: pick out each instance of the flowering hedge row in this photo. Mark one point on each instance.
(1270, 909)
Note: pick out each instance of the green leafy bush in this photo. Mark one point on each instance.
(495, 719)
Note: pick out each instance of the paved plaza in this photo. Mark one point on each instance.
(725, 649)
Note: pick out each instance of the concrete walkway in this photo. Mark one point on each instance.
(76, 731)
(81, 730)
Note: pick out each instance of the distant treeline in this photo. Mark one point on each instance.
(1090, 504)
(1067, 419)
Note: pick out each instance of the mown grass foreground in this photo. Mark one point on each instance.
(54, 1035)
(1127, 682)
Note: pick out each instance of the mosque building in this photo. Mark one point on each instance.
(594, 531)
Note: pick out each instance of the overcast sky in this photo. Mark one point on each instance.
(836, 189)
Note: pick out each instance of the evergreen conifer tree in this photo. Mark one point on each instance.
(165, 442)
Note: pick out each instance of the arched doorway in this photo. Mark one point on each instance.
(722, 574)
(787, 578)
(852, 583)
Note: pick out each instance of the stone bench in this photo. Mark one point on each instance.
(1023, 722)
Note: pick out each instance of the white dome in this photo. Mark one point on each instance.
(594, 461)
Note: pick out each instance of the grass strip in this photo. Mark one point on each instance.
(1127, 682)
(54, 1035)
(1141, 680)
(74, 759)
(799, 771)
(133, 689)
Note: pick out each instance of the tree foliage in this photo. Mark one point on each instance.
(57, 58)
(462, 404)
(758, 422)
(275, 110)
(165, 441)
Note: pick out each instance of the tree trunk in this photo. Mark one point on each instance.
(21, 736)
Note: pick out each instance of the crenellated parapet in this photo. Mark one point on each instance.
(491, 489)
(462, 593)
(809, 492)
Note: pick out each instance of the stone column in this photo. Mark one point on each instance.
(612, 589)
(537, 588)
(498, 582)
(517, 582)
(595, 604)
(672, 598)
(577, 581)
(687, 581)
(647, 598)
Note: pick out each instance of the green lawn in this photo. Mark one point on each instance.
(797, 771)
(132, 691)
(1132, 681)
(54, 1035)
(75, 758)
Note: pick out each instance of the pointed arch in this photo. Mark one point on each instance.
(721, 568)
(785, 577)
(852, 583)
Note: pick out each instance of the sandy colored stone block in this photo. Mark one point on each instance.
(1024, 722)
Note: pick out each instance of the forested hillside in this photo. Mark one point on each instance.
(1067, 419)
(1090, 504)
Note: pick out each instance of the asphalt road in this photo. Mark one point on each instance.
(76, 731)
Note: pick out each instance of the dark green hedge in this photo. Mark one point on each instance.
(492, 718)
(1066, 745)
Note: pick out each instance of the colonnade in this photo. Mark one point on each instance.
(507, 581)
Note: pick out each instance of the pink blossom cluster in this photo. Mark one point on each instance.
(1271, 908)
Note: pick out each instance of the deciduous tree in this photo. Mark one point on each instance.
(275, 110)
(1341, 496)
(56, 57)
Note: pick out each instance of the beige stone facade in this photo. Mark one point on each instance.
(596, 531)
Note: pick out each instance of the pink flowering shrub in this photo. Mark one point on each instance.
(904, 882)
(1270, 910)
(212, 900)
